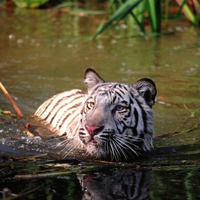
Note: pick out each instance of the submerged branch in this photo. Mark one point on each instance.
(177, 132)
(18, 111)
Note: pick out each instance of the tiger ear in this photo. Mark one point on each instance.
(91, 78)
(147, 89)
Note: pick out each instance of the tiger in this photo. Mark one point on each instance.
(111, 121)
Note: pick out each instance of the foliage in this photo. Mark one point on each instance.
(29, 3)
(135, 12)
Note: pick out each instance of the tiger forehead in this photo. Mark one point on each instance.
(114, 91)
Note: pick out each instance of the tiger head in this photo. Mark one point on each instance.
(116, 118)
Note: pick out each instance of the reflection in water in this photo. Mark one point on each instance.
(118, 184)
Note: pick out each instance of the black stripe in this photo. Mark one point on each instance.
(124, 126)
(134, 129)
(74, 106)
(44, 109)
(119, 93)
(64, 98)
(54, 106)
(114, 99)
(57, 104)
(64, 105)
(131, 101)
(136, 117)
(144, 116)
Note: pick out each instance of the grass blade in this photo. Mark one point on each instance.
(155, 15)
(187, 12)
(122, 12)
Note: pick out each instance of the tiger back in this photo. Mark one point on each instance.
(112, 121)
(62, 111)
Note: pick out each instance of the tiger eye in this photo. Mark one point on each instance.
(90, 105)
(120, 108)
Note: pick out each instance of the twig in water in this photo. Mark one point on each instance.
(18, 111)
(197, 126)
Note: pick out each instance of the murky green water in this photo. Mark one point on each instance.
(43, 52)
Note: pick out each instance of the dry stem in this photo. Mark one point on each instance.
(18, 111)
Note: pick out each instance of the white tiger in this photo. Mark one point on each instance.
(112, 121)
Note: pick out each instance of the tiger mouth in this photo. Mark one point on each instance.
(94, 145)
(105, 136)
(92, 141)
(89, 140)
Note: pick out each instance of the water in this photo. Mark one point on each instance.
(43, 52)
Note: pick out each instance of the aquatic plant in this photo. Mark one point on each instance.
(137, 12)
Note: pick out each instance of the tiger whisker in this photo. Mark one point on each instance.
(120, 146)
(66, 149)
(68, 144)
(133, 139)
(112, 152)
(118, 149)
(107, 149)
(122, 149)
(128, 144)
(123, 143)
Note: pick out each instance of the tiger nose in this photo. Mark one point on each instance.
(93, 130)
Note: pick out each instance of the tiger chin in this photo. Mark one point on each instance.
(112, 121)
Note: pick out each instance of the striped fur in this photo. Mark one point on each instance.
(113, 121)
(62, 111)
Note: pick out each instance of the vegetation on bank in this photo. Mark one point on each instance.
(132, 13)
(144, 12)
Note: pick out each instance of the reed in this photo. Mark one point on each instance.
(135, 12)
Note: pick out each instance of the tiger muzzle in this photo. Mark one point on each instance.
(94, 130)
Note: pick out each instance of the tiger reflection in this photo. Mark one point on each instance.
(119, 185)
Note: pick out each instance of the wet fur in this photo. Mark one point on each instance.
(121, 111)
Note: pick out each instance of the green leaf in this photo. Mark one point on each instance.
(122, 12)
(155, 15)
(188, 13)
